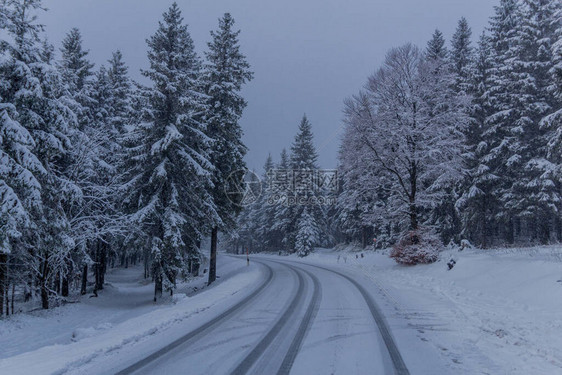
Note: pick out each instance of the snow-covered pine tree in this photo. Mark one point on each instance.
(89, 97)
(556, 71)
(248, 235)
(33, 99)
(306, 193)
(553, 121)
(500, 133)
(532, 59)
(121, 116)
(106, 221)
(226, 71)
(74, 63)
(521, 50)
(436, 49)
(266, 208)
(282, 211)
(445, 215)
(169, 184)
(477, 204)
(121, 93)
(461, 54)
(308, 233)
(20, 168)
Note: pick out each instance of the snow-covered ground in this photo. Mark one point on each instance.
(496, 312)
(66, 337)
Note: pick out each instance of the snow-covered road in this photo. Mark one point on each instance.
(301, 319)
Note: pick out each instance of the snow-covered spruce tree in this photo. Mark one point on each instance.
(112, 111)
(538, 186)
(278, 197)
(121, 92)
(408, 125)
(89, 97)
(74, 63)
(515, 148)
(553, 121)
(106, 220)
(461, 54)
(20, 168)
(246, 236)
(445, 216)
(121, 116)
(33, 99)
(306, 193)
(266, 208)
(556, 71)
(170, 180)
(226, 71)
(308, 234)
(136, 240)
(436, 49)
(477, 204)
(76, 72)
(500, 132)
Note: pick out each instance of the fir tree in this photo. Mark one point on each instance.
(279, 198)
(436, 49)
(461, 53)
(499, 131)
(38, 124)
(306, 193)
(477, 202)
(121, 93)
(226, 71)
(307, 234)
(266, 207)
(303, 152)
(169, 184)
(74, 64)
(532, 60)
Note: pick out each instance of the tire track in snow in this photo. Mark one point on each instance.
(306, 322)
(207, 326)
(397, 360)
(258, 350)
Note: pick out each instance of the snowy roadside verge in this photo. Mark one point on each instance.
(59, 359)
(496, 312)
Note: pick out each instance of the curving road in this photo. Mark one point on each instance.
(302, 319)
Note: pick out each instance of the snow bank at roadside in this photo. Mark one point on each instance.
(57, 359)
(496, 312)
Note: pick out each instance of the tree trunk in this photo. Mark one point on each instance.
(103, 265)
(157, 286)
(84, 279)
(56, 285)
(413, 216)
(13, 296)
(213, 259)
(43, 281)
(146, 265)
(7, 288)
(99, 267)
(363, 237)
(413, 191)
(3, 271)
(65, 281)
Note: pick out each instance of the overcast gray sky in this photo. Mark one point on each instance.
(307, 55)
